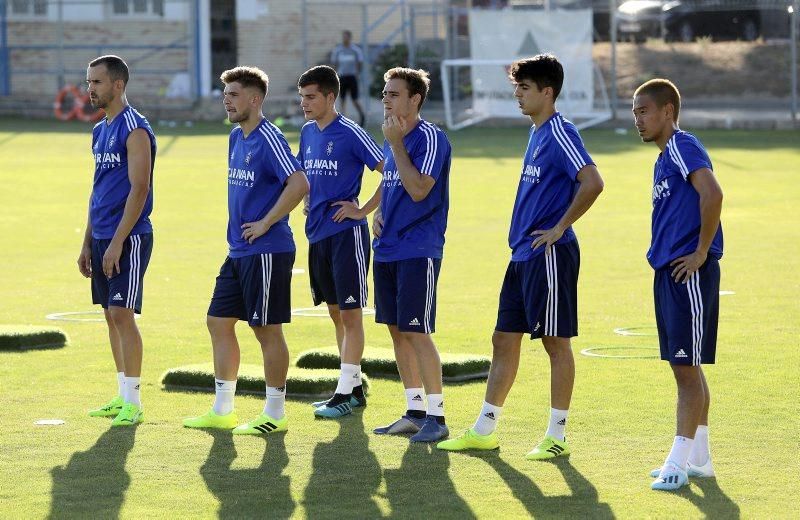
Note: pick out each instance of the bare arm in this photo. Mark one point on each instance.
(349, 209)
(590, 187)
(85, 256)
(294, 190)
(139, 162)
(710, 193)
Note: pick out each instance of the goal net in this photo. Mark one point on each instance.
(477, 88)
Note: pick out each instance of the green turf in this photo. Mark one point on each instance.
(27, 337)
(299, 382)
(622, 419)
(381, 363)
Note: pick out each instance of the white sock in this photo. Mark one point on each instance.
(415, 399)
(558, 423)
(436, 404)
(132, 391)
(700, 453)
(223, 402)
(121, 384)
(349, 377)
(487, 420)
(276, 400)
(679, 454)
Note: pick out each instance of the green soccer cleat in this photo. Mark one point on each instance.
(262, 424)
(110, 409)
(470, 440)
(549, 448)
(129, 415)
(212, 420)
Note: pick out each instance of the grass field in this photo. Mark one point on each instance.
(622, 419)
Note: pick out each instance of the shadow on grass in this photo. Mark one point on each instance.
(422, 488)
(345, 474)
(248, 493)
(93, 483)
(582, 502)
(713, 502)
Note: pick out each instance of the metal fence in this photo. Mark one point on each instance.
(45, 46)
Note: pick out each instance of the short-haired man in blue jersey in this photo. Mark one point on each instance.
(685, 250)
(265, 182)
(558, 184)
(409, 232)
(333, 152)
(119, 237)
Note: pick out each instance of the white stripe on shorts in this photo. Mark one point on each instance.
(133, 271)
(266, 279)
(429, 295)
(551, 308)
(696, 304)
(362, 266)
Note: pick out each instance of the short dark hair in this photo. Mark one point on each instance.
(324, 77)
(543, 69)
(247, 77)
(662, 91)
(418, 81)
(116, 67)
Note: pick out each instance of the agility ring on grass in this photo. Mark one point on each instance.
(636, 331)
(598, 352)
(321, 312)
(80, 316)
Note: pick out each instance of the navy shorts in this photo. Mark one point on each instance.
(123, 289)
(337, 267)
(540, 296)
(687, 315)
(255, 289)
(405, 293)
(348, 85)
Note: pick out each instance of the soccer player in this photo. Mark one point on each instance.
(685, 250)
(119, 237)
(558, 184)
(265, 182)
(333, 153)
(409, 229)
(347, 58)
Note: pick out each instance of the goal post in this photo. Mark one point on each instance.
(477, 88)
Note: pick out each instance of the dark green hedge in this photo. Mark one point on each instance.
(300, 383)
(379, 362)
(25, 337)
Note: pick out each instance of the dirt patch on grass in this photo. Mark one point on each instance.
(703, 68)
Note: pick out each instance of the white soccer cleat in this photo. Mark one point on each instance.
(704, 471)
(671, 478)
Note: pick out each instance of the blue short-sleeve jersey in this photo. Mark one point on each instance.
(415, 229)
(258, 166)
(334, 159)
(548, 184)
(111, 183)
(676, 204)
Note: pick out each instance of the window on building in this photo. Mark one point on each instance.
(137, 7)
(29, 7)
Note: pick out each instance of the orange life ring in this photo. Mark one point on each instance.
(58, 108)
(79, 100)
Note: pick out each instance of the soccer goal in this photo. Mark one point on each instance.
(477, 88)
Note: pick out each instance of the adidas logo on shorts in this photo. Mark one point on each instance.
(117, 297)
(414, 322)
(537, 326)
(350, 299)
(681, 354)
(255, 316)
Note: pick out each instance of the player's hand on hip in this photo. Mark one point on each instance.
(546, 238)
(347, 209)
(393, 129)
(85, 262)
(377, 224)
(253, 230)
(111, 259)
(685, 266)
